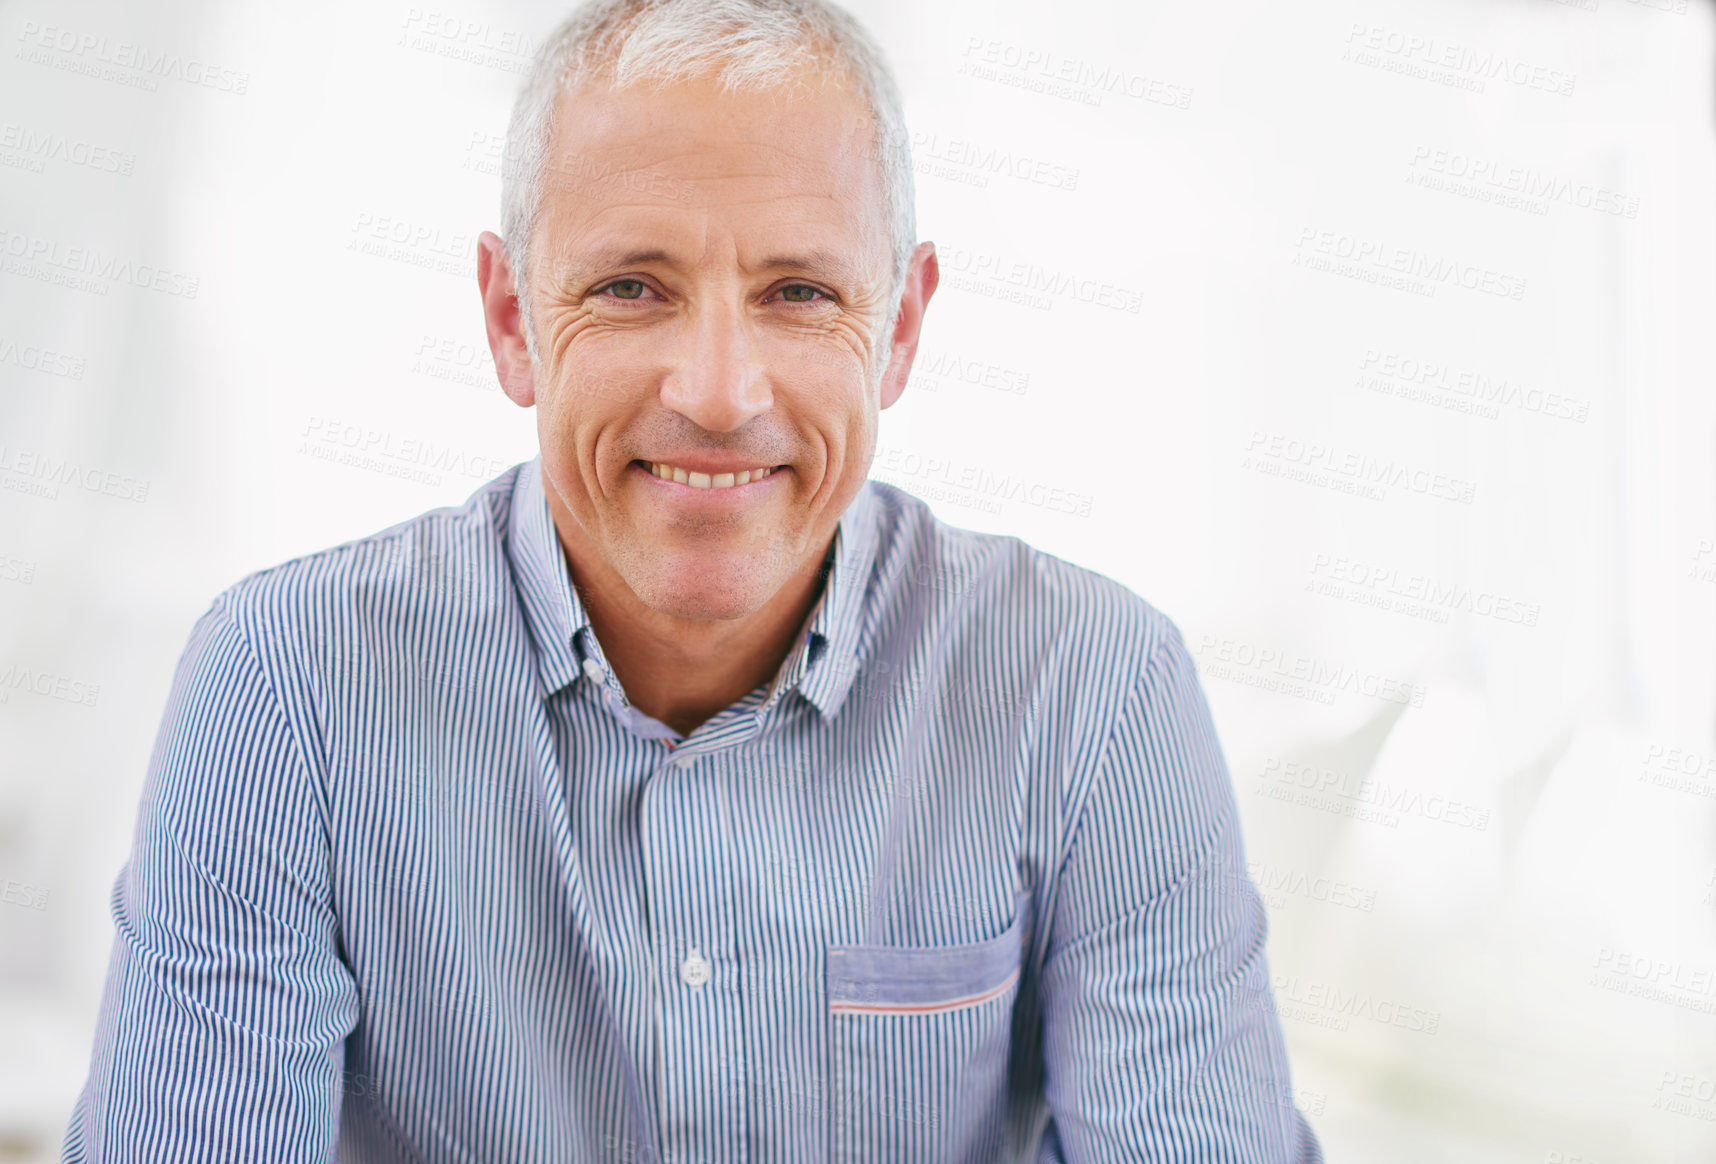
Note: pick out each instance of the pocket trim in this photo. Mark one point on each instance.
(905, 980)
(843, 1007)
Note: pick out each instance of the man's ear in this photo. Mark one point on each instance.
(501, 317)
(921, 278)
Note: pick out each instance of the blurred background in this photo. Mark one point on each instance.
(1371, 341)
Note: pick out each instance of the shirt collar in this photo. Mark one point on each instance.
(820, 665)
(552, 608)
(823, 664)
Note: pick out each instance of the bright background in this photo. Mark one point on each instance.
(1492, 904)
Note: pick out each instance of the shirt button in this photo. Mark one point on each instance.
(695, 970)
(593, 669)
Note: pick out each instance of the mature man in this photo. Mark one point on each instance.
(682, 795)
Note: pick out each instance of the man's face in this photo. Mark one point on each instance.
(711, 286)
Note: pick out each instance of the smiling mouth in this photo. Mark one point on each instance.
(698, 480)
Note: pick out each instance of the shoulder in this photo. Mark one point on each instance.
(438, 563)
(1023, 594)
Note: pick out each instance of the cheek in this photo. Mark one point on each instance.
(843, 350)
(826, 373)
(601, 371)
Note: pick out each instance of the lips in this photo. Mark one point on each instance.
(698, 479)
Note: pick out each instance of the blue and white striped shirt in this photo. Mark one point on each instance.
(412, 881)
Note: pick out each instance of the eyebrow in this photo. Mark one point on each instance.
(826, 263)
(814, 262)
(585, 267)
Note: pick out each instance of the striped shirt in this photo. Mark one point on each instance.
(413, 881)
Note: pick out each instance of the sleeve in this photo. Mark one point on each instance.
(1160, 1036)
(221, 1033)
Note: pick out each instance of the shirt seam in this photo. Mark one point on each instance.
(308, 773)
(1205, 851)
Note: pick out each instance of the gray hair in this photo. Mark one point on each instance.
(756, 44)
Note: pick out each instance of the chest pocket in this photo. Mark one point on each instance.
(919, 1040)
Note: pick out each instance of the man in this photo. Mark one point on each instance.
(682, 795)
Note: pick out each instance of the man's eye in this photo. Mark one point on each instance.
(626, 288)
(799, 293)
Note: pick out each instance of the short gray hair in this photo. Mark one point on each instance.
(755, 44)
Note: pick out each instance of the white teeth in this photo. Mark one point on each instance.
(705, 480)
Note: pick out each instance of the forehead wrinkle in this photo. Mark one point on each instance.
(591, 194)
(659, 148)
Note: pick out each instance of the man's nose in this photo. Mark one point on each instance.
(717, 380)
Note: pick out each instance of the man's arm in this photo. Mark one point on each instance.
(1161, 1041)
(222, 1025)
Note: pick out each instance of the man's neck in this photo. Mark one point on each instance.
(683, 671)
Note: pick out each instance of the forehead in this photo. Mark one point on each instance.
(790, 166)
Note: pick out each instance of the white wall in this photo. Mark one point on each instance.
(1516, 865)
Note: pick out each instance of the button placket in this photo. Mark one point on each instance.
(691, 906)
